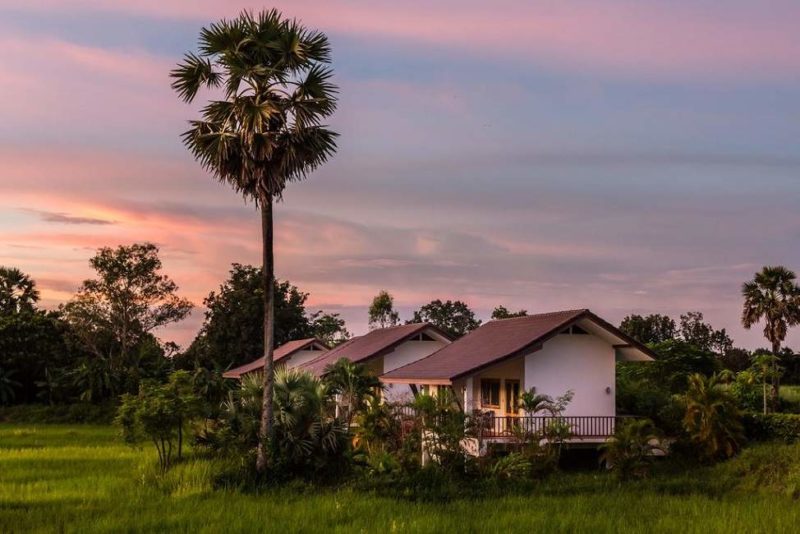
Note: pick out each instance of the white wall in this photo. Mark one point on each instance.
(405, 353)
(582, 363)
(302, 356)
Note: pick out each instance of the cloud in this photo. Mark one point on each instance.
(56, 217)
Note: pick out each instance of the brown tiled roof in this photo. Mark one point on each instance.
(284, 351)
(370, 345)
(493, 342)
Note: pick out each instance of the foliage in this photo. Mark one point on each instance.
(695, 331)
(329, 328)
(676, 361)
(501, 312)
(511, 467)
(712, 419)
(232, 331)
(75, 413)
(381, 312)
(453, 317)
(378, 428)
(442, 424)
(160, 413)
(113, 315)
(353, 385)
(775, 426)
(653, 328)
(630, 452)
(18, 293)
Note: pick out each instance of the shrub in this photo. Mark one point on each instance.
(712, 420)
(511, 467)
(630, 452)
(775, 426)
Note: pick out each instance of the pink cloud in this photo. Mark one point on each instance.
(654, 39)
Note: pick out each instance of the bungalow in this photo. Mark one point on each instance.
(292, 354)
(384, 350)
(551, 353)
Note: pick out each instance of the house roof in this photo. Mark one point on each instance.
(280, 353)
(370, 345)
(498, 340)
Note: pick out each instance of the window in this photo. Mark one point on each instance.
(490, 392)
(512, 396)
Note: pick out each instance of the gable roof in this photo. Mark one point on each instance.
(370, 345)
(498, 340)
(280, 353)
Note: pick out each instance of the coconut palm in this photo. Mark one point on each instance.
(18, 292)
(712, 418)
(267, 129)
(773, 296)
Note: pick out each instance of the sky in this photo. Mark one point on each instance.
(626, 156)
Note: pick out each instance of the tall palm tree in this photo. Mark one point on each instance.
(774, 297)
(18, 292)
(265, 132)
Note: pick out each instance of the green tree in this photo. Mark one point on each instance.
(232, 330)
(653, 328)
(501, 312)
(765, 365)
(772, 296)
(329, 328)
(381, 311)
(113, 316)
(18, 291)
(267, 131)
(695, 331)
(631, 451)
(354, 386)
(454, 317)
(712, 419)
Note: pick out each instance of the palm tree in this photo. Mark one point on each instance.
(631, 450)
(712, 418)
(353, 384)
(267, 131)
(765, 366)
(18, 292)
(774, 297)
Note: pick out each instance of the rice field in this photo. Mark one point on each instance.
(56, 478)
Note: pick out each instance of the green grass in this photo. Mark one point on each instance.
(81, 479)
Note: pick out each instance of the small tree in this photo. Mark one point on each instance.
(353, 385)
(712, 420)
(501, 312)
(160, 412)
(630, 452)
(765, 366)
(454, 317)
(381, 311)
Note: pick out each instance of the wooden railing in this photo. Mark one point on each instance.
(582, 426)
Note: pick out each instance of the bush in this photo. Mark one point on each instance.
(775, 426)
(630, 452)
(512, 467)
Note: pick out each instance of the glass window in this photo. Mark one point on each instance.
(490, 392)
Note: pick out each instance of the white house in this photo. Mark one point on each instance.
(552, 352)
(291, 354)
(386, 349)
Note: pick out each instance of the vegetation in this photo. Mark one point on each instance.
(266, 132)
(712, 418)
(501, 312)
(87, 481)
(453, 317)
(631, 452)
(381, 312)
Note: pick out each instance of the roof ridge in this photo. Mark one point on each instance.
(544, 314)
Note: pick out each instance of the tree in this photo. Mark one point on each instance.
(381, 311)
(266, 132)
(453, 317)
(232, 330)
(712, 418)
(653, 328)
(695, 331)
(630, 452)
(353, 384)
(501, 312)
(329, 328)
(772, 296)
(114, 315)
(765, 365)
(18, 292)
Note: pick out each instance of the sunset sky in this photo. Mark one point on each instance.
(630, 157)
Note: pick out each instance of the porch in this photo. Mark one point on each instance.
(585, 428)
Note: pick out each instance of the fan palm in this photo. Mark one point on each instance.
(774, 297)
(712, 418)
(265, 132)
(18, 292)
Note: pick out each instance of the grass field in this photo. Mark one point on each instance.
(81, 479)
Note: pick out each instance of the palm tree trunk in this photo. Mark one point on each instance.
(776, 379)
(266, 430)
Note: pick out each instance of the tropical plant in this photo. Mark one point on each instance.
(353, 385)
(381, 311)
(513, 466)
(765, 366)
(712, 420)
(772, 296)
(18, 291)
(267, 131)
(378, 427)
(442, 425)
(630, 452)
(8, 386)
(159, 412)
